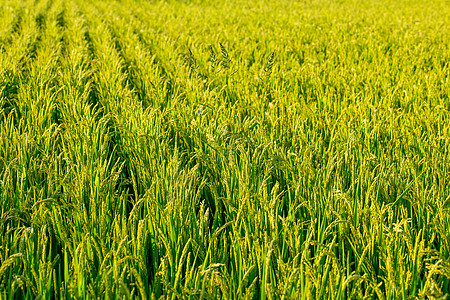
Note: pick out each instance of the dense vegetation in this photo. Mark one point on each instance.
(224, 149)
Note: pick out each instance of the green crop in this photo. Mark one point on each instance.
(224, 149)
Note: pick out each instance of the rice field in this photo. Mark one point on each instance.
(224, 149)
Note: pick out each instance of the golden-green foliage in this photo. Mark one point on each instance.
(224, 149)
